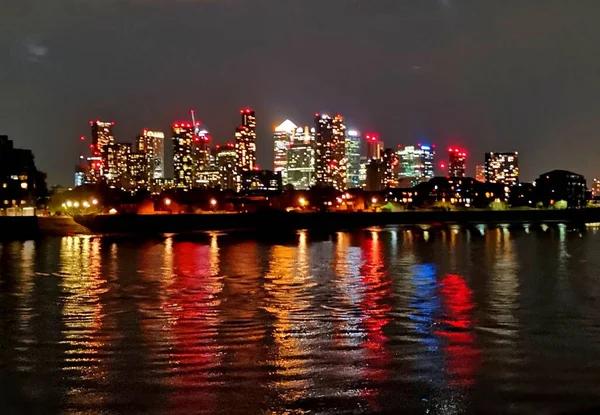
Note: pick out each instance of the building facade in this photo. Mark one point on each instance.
(300, 168)
(502, 168)
(353, 159)
(457, 162)
(21, 183)
(416, 164)
(226, 165)
(480, 173)
(152, 143)
(245, 145)
(183, 155)
(102, 137)
(561, 185)
(330, 151)
(282, 139)
(374, 146)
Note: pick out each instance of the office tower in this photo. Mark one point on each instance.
(353, 159)
(183, 160)
(480, 173)
(226, 157)
(137, 177)
(102, 137)
(416, 164)
(374, 146)
(374, 173)
(79, 176)
(389, 175)
(116, 163)
(502, 168)
(201, 150)
(152, 143)
(300, 169)
(245, 145)
(457, 159)
(282, 139)
(330, 151)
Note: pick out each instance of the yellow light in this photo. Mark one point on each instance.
(113, 211)
(24, 185)
(347, 195)
(95, 202)
(64, 205)
(213, 202)
(302, 201)
(374, 200)
(86, 204)
(76, 204)
(167, 202)
(69, 203)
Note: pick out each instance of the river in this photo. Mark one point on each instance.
(385, 320)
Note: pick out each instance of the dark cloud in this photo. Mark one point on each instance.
(484, 74)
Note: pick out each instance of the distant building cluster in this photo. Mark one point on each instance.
(325, 154)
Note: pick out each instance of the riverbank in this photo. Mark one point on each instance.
(282, 221)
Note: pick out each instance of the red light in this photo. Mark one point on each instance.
(176, 125)
(196, 139)
(451, 149)
(419, 144)
(91, 146)
(112, 123)
(82, 138)
(442, 166)
(433, 146)
(317, 114)
(399, 145)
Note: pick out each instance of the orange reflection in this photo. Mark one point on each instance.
(462, 355)
(375, 306)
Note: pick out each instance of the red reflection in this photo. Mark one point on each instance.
(463, 356)
(375, 306)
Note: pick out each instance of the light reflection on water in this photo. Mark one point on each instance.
(382, 320)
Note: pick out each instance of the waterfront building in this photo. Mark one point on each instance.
(330, 149)
(20, 181)
(480, 173)
(282, 139)
(353, 160)
(226, 162)
(116, 163)
(596, 189)
(261, 181)
(457, 191)
(390, 166)
(561, 185)
(93, 169)
(300, 167)
(137, 177)
(245, 145)
(502, 168)
(457, 162)
(416, 164)
(374, 146)
(183, 155)
(152, 143)
(102, 137)
(374, 181)
(362, 172)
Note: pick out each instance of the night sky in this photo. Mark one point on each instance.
(498, 75)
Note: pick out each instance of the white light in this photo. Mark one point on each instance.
(353, 133)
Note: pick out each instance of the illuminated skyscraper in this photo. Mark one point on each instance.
(330, 151)
(389, 175)
(116, 163)
(282, 140)
(226, 162)
(416, 164)
(152, 143)
(102, 136)
(374, 146)
(183, 160)
(245, 145)
(353, 159)
(480, 173)
(137, 172)
(502, 168)
(300, 169)
(457, 160)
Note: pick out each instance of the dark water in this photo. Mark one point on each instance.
(389, 320)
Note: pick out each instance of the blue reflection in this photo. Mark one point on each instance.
(425, 303)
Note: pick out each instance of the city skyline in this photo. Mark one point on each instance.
(472, 74)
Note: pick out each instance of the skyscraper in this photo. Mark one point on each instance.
(330, 149)
(226, 162)
(282, 140)
(457, 160)
(183, 160)
(245, 145)
(374, 146)
(152, 143)
(116, 163)
(353, 159)
(102, 136)
(300, 169)
(390, 169)
(502, 168)
(416, 164)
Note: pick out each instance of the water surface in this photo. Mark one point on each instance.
(383, 320)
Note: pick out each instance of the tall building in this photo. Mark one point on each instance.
(152, 143)
(282, 140)
(353, 159)
(416, 164)
(245, 145)
(502, 168)
(183, 160)
(596, 188)
(374, 146)
(116, 163)
(300, 169)
(20, 181)
(201, 151)
(137, 177)
(457, 162)
(330, 151)
(102, 137)
(480, 173)
(390, 166)
(226, 162)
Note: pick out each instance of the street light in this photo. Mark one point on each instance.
(302, 201)
(94, 201)
(213, 202)
(374, 200)
(76, 204)
(69, 203)
(86, 204)
(168, 202)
